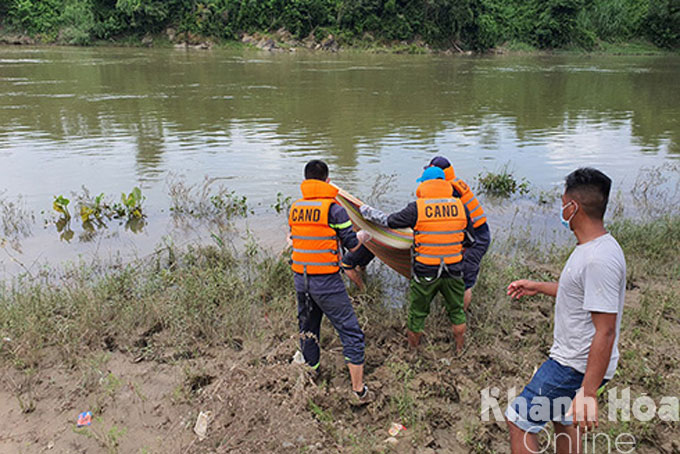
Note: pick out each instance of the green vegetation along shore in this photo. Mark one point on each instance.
(148, 345)
(409, 25)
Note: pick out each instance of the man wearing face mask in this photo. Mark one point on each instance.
(588, 308)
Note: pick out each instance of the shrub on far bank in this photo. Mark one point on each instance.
(663, 23)
(459, 24)
(77, 23)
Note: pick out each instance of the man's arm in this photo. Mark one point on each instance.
(374, 215)
(600, 351)
(355, 247)
(584, 408)
(401, 219)
(604, 281)
(339, 220)
(524, 287)
(407, 217)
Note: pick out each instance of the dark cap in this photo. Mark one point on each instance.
(439, 161)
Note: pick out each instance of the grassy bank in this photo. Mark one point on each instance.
(146, 346)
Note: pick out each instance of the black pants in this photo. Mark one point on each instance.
(473, 255)
(338, 308)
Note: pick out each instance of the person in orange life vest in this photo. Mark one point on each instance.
(319, 227)
(441, 226)
(352, 262)
(473, 255)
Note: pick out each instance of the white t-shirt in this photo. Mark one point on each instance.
(593, 280)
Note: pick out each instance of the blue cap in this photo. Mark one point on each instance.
(432, 173)
(439, 161)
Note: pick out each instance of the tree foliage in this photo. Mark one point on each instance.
(471, 24)
(663, 23)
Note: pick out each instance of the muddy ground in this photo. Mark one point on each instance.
(147, 347)
(262, 402)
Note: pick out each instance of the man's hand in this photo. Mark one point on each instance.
(584, 410)
(522, 288)
(363, 236)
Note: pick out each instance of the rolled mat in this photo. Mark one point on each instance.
(392, 246)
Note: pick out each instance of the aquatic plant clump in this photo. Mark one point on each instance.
(206, 201)
(656, 187)
(15, 222)
(502, 184)
(98, 209)
(95, 212)
(283, 203)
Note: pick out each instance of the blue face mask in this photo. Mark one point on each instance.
(565, 222)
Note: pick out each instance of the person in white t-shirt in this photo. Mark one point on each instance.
(588, 309)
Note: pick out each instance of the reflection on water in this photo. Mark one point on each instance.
(110, 119)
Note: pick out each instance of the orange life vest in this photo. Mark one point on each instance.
(315, 243)
(439, 230)
(467, 197)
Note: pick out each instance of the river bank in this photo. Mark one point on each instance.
(283, 41)
(463, 25)
(146, 346)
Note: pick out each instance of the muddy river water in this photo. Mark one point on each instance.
(110, 119)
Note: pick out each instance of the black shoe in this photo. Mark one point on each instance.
(360, 399)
